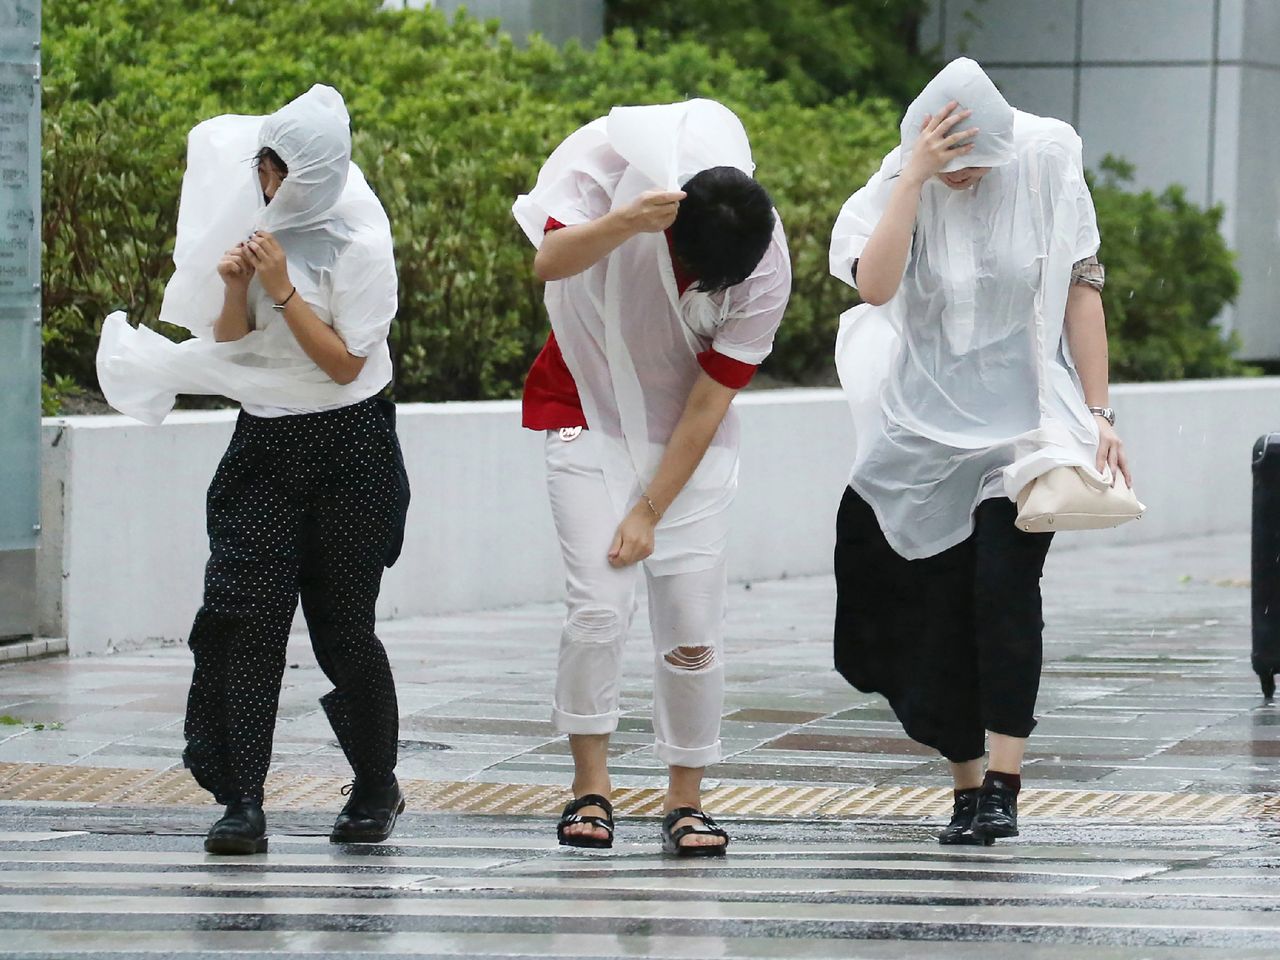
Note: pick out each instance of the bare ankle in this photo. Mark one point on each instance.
(585, 785)
(673, 801)
(684, 788)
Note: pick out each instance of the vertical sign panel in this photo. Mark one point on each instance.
(19, 273)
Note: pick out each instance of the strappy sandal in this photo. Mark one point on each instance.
(571, 816)
(705, 827)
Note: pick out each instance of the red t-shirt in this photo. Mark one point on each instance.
(551, 398)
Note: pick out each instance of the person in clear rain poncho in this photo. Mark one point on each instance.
(976, 363)
(285, 276)
(668, 275)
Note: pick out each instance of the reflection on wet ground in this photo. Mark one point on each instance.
(451, 885)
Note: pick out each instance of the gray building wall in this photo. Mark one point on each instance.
(1186, 90)
(557, 20)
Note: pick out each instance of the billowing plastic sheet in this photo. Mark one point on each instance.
(961, 386)
(323, 213)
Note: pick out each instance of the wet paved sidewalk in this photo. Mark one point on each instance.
(1146, 687)
(1150, 821)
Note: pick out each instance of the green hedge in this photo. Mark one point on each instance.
(451, 122)
(1169, 273)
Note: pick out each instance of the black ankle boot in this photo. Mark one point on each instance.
(997, 814)
(242, 829)
(960, 830)
(370, 813)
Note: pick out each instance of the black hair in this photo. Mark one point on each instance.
(267, 155)
(723, 228)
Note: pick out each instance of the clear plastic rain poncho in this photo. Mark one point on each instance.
(337, 241)
(962, 386)
(629, 338)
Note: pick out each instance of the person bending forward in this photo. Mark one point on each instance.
(977, 362)
(667, 276)
(285, 273)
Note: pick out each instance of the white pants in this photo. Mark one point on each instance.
(686, 615)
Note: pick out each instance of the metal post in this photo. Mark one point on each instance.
(19, 313)
(1266, 561)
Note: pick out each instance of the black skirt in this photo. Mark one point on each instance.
(952, 641)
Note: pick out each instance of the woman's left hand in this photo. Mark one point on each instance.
(1111, 451)
(268, 260)
(634, 540)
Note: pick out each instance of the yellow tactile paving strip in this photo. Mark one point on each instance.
(71, 784)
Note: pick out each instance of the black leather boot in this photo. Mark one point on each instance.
(242, 830)
(997, 814)
(370, 813)
(960, 830)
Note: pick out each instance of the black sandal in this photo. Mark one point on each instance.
(705, 827)
(571, 816)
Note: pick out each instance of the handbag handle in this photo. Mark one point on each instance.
(1103, 484)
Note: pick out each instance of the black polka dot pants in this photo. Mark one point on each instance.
(308, 505)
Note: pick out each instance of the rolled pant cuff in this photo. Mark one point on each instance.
(577, 723)
(674, 756)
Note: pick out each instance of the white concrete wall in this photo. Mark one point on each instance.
(125, 545)
(1184, 89)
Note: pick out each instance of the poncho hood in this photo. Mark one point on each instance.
(672, 142)
(312, 135)
(964, 82)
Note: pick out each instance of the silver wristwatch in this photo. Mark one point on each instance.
(1106, 413)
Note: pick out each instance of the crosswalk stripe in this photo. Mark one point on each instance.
(712, 911)
(559, 945)
(610, 865)
(814, 865)
(538, 840)
(163, 859)
(478, 895)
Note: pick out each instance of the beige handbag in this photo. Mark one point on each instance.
(1068, 498)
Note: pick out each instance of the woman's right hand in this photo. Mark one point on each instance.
(653, 211)
(938, 145)
(235, 268)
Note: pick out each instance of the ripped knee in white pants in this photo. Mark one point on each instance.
(593, 625)
(696, 659)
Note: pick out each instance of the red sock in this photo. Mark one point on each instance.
(1010, 781)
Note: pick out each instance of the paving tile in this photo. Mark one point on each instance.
(1215, 748)
(764, 716)
(47, 747)
(864, 745)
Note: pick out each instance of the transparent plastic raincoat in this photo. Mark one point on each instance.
(337, 241)
(962, 386)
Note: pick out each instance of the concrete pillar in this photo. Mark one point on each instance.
(19, 312)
